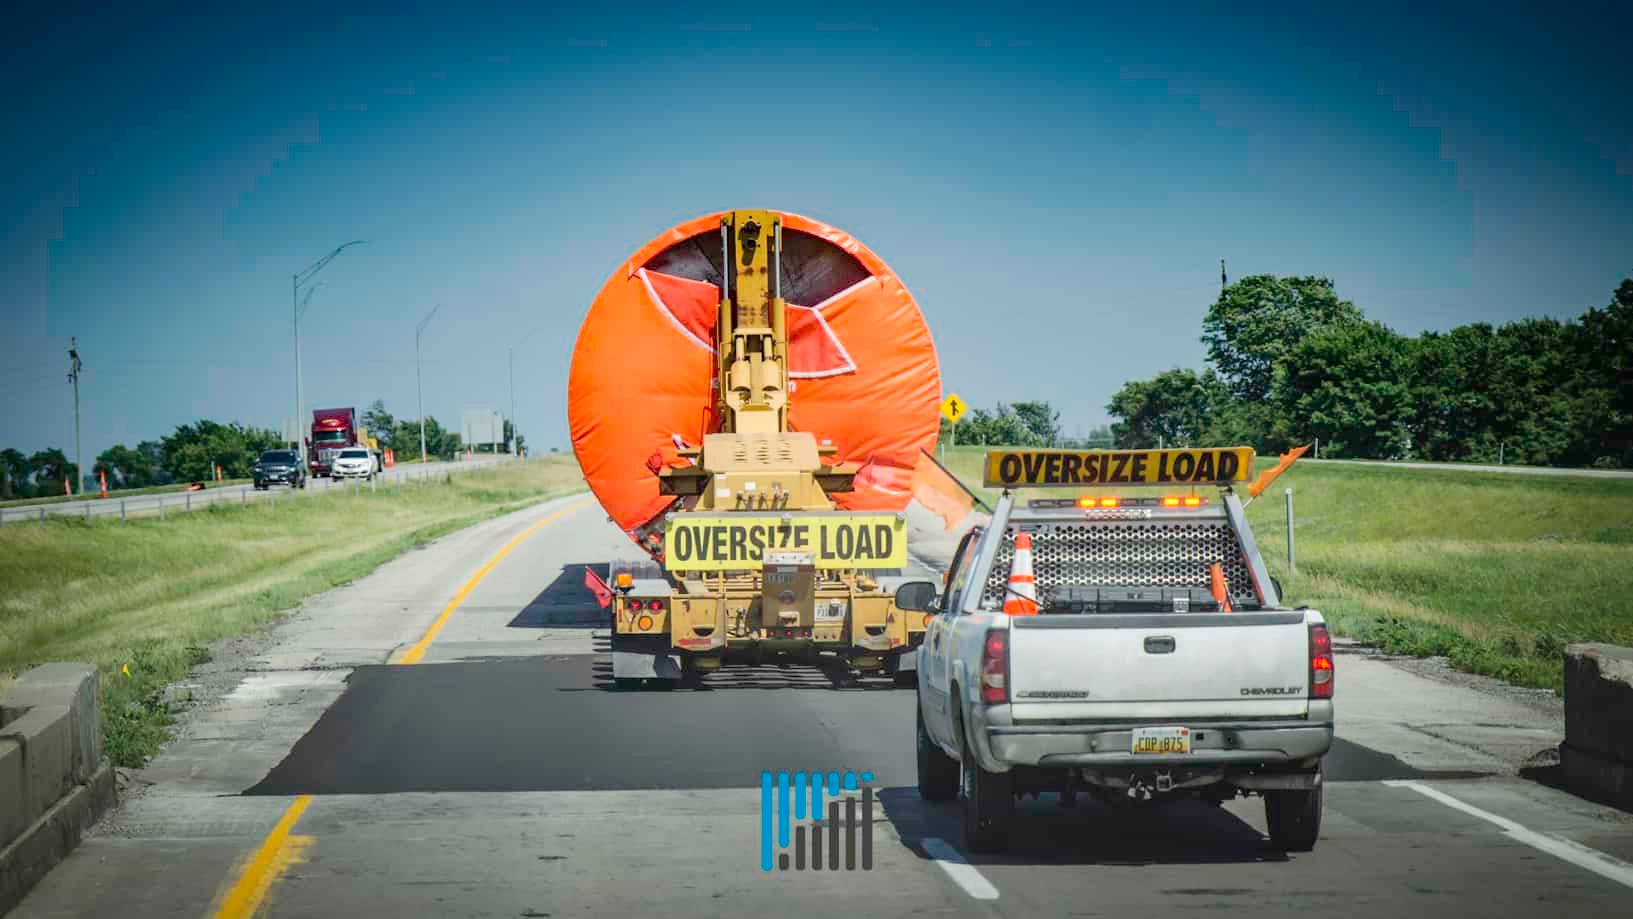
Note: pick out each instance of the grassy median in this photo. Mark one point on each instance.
(1496, 572)
(148, 596)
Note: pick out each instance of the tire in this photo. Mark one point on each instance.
(938, 772)
(1294, 818)
(989, 803)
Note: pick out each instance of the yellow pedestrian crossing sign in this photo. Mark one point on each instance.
(953, 408)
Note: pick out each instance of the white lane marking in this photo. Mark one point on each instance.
(961, 871)
(1599, 863)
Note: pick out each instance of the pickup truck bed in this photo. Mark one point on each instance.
(1131, 683)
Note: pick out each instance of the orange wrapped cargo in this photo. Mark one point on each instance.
(862, 366)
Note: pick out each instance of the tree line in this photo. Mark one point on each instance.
(1290, 362)
(192, 452)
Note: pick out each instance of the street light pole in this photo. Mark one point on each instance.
(73, 377)
(419, 391)
(512, 355)
(296, 308)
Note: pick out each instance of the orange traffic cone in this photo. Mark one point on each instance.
(1021, 596)
(1218, 586)
(102, 476)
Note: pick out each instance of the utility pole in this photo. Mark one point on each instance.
(512, 357)
(73, 377)
(419, 391)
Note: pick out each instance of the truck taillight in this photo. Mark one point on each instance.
(995, 667)
(1321, 664)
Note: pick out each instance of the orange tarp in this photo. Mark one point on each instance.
(864, 368)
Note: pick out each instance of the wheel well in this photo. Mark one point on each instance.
(956, 700)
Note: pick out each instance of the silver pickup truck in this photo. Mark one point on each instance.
(1132, 682)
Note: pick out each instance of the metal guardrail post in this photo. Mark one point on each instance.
(1292, 565)
(122, 517)
(161, 507)
(187, 501)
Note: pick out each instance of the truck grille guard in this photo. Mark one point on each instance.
(1110, 553)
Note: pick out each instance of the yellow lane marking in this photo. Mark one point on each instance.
(277, 853)
(415, 653)
(280, 850)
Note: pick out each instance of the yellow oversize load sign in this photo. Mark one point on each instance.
(1069, 468)
(725, 542)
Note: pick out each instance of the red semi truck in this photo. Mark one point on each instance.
(333, 430)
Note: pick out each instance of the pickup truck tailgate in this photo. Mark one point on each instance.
(1191, 665)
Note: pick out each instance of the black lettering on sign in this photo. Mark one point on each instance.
(1162, 467)
(1184, 466)
(739, 544)
(1121, 469)
(1137, 472)
(864, 542)
(1092, 468)
(1229, 465)
(1051, 468)
(717, 544)
(1034, 466)
(844, 543)
(1070, 467)
(1009, 468)
(683, 544)
(884, 541)
(756, 539)
(802, 536)
(1204, 468)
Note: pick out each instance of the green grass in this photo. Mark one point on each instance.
(1497, 572)
(146, 597)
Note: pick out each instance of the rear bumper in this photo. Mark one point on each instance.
(1215, 742)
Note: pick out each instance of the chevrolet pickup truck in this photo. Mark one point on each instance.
(1137, 680)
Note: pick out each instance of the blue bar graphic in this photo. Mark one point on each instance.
(765, 821)
(799, 796)
(782, 810)
(850, 780)
(833, 784)
(817, 810)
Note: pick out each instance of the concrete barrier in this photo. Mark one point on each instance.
(1596, 758)
(54, 783)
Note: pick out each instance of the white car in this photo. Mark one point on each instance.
(354, 463)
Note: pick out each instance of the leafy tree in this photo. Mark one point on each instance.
(381, 424)
(1260, 318)
(439, 443)
(1174, 408)
(193, 451)
(14, 472)
(1041, 421)
(1348, 385)
(124, 467)
(51, 468)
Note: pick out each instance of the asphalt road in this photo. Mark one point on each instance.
(180, 502)
(501, 776)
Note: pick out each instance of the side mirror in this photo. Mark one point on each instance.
(916, 596)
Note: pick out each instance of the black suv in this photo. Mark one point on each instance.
(279, 466)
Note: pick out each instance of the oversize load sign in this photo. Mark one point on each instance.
(728, 542)
(1034, 468)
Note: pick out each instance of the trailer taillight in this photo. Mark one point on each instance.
(655, 605)
(1321, 663)
(644, 623)
(995, 667)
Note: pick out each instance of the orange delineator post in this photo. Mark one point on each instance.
(102, 477)
(1021, 596)
(1218, 586)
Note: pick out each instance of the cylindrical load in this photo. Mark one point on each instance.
(863, 371)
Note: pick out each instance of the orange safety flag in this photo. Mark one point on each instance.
(1270, 475)
(1219, 587)
(1021, 596)
(592, 581)
(865, 378)
(941, 494)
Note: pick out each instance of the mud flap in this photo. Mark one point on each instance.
(639, 665)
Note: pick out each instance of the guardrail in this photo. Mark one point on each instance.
(164, 504)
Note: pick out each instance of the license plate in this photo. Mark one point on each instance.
(830, 611)
(1162, 740)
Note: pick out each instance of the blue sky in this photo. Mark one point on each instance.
(1056, 186)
